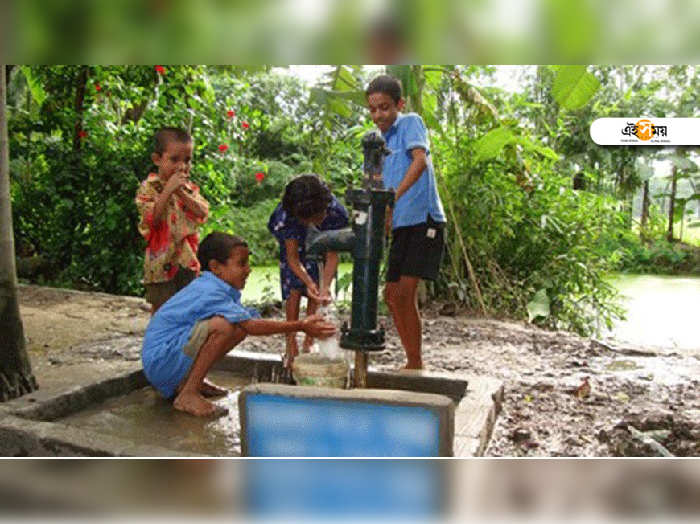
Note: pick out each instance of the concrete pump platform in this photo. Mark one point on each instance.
(73, 414)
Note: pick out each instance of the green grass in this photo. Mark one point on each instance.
(691, 235)
(263, 284)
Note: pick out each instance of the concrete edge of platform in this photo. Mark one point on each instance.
(451, 385)
(248, 363)
(475, 416)
(58, 405)
(22, 437)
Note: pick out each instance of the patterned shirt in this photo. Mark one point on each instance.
(174, 241)
(164, 362)
(285, 227)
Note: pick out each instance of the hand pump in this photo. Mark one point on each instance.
(365, 241)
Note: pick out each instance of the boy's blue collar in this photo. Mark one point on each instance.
(395, 123)
(234, 292)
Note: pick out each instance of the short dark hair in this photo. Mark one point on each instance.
(218, 246)
(386, 84)
(306, 196)
(165, 135)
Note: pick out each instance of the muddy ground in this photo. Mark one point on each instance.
(641, 402)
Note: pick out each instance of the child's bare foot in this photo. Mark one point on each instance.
(409, 369)
(195, 404)
(209, 389)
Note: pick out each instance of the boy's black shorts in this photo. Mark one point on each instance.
(416, 251)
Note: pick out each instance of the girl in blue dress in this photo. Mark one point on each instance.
(307, 202)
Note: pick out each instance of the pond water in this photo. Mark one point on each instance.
(662, 312)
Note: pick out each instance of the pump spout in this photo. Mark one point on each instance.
(318, 243)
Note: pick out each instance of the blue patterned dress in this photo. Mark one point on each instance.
(285, 227)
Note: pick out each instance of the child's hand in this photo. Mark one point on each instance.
(312, 292)
(325, 297)
(317, 326)
(176, 181)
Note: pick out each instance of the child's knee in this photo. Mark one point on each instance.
(233, 334)
(396, 294)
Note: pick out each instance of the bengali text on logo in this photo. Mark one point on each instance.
(646, 131)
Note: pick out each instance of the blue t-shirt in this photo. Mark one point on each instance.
(285, 227)
(406, 133)
(164, 362)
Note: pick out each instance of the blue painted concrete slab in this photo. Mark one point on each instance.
(279, 426)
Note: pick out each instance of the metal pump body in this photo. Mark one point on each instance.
(365, 241)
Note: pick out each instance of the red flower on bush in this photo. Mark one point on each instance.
(98, 87)
(259, 176)
(245, 125)
(223, 147)
(160, 69)
(231, 113)
(82, 134)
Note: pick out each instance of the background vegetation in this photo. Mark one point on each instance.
(521, 241)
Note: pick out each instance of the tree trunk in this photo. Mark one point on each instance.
(16, 376)
(671, 205)
(629, 210)
(645, 210)
(417, 100)
(8, 71)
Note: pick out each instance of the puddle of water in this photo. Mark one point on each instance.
(663, 371)
(622, 365)
(144, 417)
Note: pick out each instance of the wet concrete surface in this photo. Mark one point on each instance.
(144, 417)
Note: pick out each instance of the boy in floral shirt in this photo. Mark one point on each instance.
(171, 210)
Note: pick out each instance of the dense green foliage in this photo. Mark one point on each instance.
(505, 161)
(524, 242)
(81, 144)
(659, 256)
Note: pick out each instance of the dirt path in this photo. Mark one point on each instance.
(544, 412)
(60, 319)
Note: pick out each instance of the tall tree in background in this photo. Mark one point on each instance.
(16, 377)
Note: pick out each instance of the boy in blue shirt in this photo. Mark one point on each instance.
(417, 220)
(204, 321)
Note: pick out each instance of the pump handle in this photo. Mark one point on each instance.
(374, 148)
